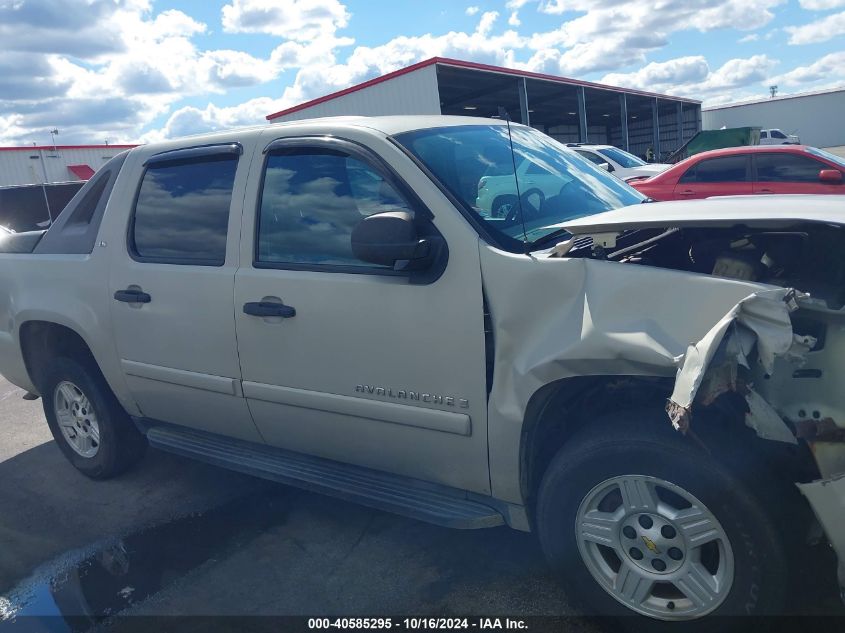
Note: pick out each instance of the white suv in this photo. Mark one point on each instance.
(496, 198)
(620, 163)
(778, 137)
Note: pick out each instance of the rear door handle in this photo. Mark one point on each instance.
(132, 295)
(269, 309)
(765, 191)
(687, 192)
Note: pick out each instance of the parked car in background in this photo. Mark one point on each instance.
(620, 163)
(778, 137)
(748, 170)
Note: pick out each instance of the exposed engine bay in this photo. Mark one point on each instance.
(808, 257)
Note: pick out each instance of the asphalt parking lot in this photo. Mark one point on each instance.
(178, 537)
(175, 537)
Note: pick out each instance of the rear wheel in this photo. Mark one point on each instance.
(639, 523)
(503, 205)
(86, 420)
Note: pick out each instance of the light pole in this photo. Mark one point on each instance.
(53, 134)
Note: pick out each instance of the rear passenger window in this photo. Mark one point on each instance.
(787, 168)
(592, 157)
(182, 212)
(726, 169)
(311, 201)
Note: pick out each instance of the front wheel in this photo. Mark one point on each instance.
(640, 523)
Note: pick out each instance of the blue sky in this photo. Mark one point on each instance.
(143, 70)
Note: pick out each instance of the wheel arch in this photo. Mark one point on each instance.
(42, 338)
(561, 408)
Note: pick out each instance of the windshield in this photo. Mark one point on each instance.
(521, 196)
(622, 157)
(833, 158)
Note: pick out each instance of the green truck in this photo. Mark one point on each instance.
(716, 139)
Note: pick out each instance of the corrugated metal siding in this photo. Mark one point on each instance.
(412, 93)
(816, 119)
(24, 166)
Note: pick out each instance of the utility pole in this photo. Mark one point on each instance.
(44, 184)
(53, 134)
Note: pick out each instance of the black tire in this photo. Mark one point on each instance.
(641, 447)
(121, 445)
(507, 201)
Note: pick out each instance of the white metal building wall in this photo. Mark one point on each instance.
(816, 118)
(27, 166)
(412, 93)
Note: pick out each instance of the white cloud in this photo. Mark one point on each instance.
(149, 61)
(663, 76)
(821, 5)
(482, 45)
(191, 120)
(618, 33)
(821, 30)
(823, 73)
(111, 67)
(300, 20)
(692, 76)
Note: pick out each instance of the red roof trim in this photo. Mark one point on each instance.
(83, 172)
(51, 147)
(446, 61)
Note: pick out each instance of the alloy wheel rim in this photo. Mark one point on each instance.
(654, 547)
(77, 419)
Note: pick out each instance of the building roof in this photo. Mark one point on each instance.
(22, 148)
(446, 61)
(797, 95)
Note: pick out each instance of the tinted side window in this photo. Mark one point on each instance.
(182, 212)
(764, 134)
(311, 201)
(593, 158)
(776, 134)
(787, 168)
(726, 169)
(84, 212)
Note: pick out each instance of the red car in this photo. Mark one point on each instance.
(748, 170)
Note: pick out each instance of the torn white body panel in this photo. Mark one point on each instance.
(759, 322)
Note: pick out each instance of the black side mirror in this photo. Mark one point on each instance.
(391, 239)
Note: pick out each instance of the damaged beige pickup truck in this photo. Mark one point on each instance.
(653, 389)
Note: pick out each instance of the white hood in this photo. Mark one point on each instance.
(770, 211)
(652, 169)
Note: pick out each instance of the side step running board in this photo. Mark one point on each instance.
(412, 498)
